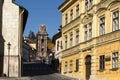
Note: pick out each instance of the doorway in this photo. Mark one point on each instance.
(88, 66)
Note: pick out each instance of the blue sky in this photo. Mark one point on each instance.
(42, 12)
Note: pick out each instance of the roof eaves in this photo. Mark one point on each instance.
(63, 4)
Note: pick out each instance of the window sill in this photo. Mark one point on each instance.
(75, 70)
(70, 71)
(101, 70)
(65, 72)
(114, 69)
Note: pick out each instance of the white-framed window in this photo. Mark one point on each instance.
(88, 31)
(88, 4)
(71, 14)
(66, 19)
(115, 60)
(57, 45)
(115, 20)
(71, 39)
(102, 25)
(71, 65)
(77, 10)
(66, 42)
(77, 36)
(65, 66)
(102, 62)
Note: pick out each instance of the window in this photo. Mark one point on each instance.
(42, 50)
(102, 25)
(77, 36)
(71, 39)
(66, 19)
(65, 67)
(88, 31)
(77, 10)
(77, 64)
(61, 45)
(115, 60)
(71, 15)
(57, 45)
(88, 4)
(71, 65)
(115, 18)
(65, 42)
(102, 62)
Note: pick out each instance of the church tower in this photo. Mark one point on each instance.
(42, 44)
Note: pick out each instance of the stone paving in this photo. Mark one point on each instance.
(54, 76)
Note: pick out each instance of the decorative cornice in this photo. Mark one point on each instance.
(100, 40)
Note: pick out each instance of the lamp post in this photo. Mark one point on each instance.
(8, 55)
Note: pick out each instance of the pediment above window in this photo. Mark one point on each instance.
(87, 18)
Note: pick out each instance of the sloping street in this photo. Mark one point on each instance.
(54, 76)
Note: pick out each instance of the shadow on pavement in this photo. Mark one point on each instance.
(34, 69)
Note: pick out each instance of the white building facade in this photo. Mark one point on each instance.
(58, 49)
(13, 23)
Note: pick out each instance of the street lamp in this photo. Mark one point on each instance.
(8, 55)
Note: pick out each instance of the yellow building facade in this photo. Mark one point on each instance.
(91, 40)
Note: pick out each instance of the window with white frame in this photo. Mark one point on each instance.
(71, 39)
(102, 25)
(88, 4)
(71, 14)
(57, 45)
(102, 62)
(71, 65)
(61, 45)
(115, 60)
(115, 20)
(88, 31)
(77, 36)
(77, 10)
(65, 66)
(66, 19)
(66, 42)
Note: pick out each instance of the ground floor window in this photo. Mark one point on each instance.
(65, 66)
(77, 64)
(102, 62)
(71, 65)
(115, 60)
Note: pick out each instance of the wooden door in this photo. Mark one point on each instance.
(88, 67)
